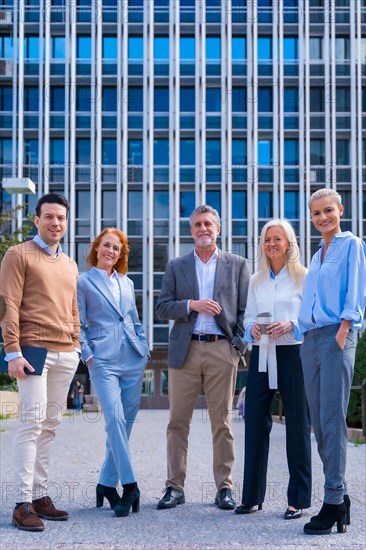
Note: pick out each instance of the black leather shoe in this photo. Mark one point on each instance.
(293, 514)
(171, 498)
(246, 509)
(224, 499)
(329, 515)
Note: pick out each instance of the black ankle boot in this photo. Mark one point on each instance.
(110, 493)
(130, 497)
(329, 515)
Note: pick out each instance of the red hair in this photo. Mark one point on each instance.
(122, 263)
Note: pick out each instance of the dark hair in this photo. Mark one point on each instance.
(122, 264)
(52, 198)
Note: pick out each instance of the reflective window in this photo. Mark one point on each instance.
(58, 47)
(135, 204)
(135, 47)
(148, 383)
(213, 151)
(291, 100)
(265, 152)
(161, 47)
(6, 98)
(291, 151)
(343, 151)
(187, 47)
(316, 48)
(265, 207)
(135, 151)
(57, 98)
(109, 99)
(31, 47)
(31, 151)
(264, 47)
(83, 47)
(135, 99)
(6, 47)
(161, 151)
(161, 204)
(265, 100)
(82, 151)
(239, 204)
(187, 100)
(213, 198)
(57, 151)
(290, 48)
(187, 151)
(5, 151)
(317, 99)
(342, 52)
(213, 47)
(187, 204)
(213, 100)
(239, 48)
(317, 151)
(239, 99)
(83, 98)
(239, 151)
(161, 99)
(31, 98)
(292, 211)
(110, 47)
(343, 99)
(108, 204)
(109, 151)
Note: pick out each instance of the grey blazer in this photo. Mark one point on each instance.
(180, 285)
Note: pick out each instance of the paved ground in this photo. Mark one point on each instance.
(198, 524)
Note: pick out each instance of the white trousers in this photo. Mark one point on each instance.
(42, 400)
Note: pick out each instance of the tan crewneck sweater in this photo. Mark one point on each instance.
(40, 295)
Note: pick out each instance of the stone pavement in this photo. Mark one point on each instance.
(198, 524)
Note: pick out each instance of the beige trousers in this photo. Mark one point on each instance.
(42, 400)
(213, 367)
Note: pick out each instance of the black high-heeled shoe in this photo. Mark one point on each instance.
(347, 502)
(110, 493)
(246, 509)
(329, 515)
(130, 497)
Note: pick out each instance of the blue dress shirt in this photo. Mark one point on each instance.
(335, 288)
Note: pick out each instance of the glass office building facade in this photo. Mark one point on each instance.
(140, 110)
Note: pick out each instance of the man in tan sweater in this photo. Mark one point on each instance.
(38, 284)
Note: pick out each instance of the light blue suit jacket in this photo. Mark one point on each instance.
(104, 323)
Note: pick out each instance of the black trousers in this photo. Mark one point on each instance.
(258, 425)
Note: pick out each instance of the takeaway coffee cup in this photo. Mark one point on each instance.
(264, 319)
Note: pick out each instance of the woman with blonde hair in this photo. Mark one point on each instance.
(114, 347)
(331, 313)
(270, 323)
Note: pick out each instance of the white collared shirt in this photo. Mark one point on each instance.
(205, 322)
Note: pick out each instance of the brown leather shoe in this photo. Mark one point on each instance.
(45, 509)
(26, 519)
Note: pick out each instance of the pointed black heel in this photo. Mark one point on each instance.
(347, 502)
(110, 493)
(329, 515)
(130, 498)
(246, 509)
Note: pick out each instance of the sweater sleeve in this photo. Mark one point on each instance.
(12, 277)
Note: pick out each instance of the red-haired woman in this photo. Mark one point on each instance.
(114, 347)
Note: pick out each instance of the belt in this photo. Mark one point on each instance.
(208, 337)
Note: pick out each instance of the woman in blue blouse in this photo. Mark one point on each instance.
(332, 310)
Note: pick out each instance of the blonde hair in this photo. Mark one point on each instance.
(325, 192)
(122, 263)
(292, 257)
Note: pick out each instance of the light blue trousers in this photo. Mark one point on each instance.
(328, 374)
(117, 385)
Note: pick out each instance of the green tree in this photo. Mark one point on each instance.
(354, 413)
(8, 238)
